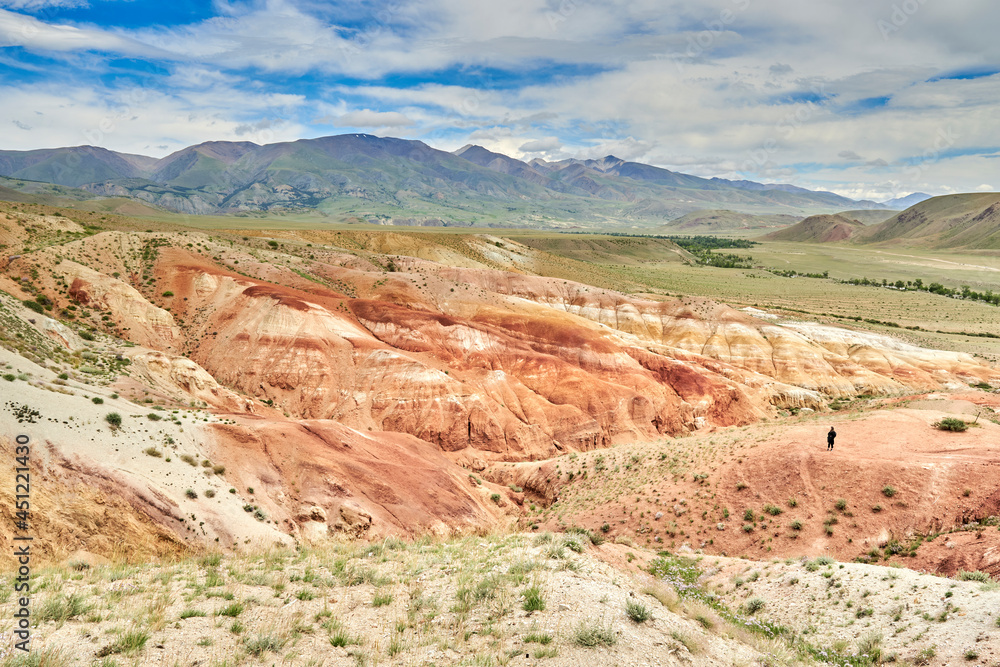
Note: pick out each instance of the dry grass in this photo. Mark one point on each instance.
(384, 603)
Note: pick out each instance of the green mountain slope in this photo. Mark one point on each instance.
(375, 179)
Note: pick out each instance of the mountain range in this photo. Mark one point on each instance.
(362, 177)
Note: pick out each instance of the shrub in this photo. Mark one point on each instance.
(127, 643)
(188, 459)
(841, 504)
(210, 493)
(9, 377)
(591, 633)
(876, 508)
(637, 611)
(951, 424)
(35, 306)
(262, 644)
(495, 497)
(753, 605)
(748, 528)
(340, 638)
(792, 502)
(796, 525)
(536, 637)
(114, 419)
(153, 417)
(61, 609)
(232, 611)
(534, 599)
(219, 470)
(382, 599)
(748, 515)
(888, 491)
(925, 656)
(191, 493)
(152, 451)
(871, 646)
(975, 575)
(168, 293)
(741, 485)
(773, 510)
(97, 400)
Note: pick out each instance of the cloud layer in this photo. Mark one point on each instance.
(868, 99)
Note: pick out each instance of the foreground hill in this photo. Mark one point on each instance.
(818, 229)
(366, 178)
(559, 600)
(968, 221)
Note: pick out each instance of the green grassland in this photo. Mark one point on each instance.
(826, 300)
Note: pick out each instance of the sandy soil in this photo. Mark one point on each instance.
(395, 605)
(731, 491)
(845, 602)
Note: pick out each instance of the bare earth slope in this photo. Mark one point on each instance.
(352, 381)
(819, 229)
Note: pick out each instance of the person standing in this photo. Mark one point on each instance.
(829, 439)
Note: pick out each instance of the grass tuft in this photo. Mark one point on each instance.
(590, 633)
(637, 611)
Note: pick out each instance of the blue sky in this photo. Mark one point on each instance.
(868, 98)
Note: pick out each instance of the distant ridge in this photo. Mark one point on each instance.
(902, 203)
(868, 216)
(384, 179)
(710, 221)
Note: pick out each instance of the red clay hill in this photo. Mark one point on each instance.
(353, 385)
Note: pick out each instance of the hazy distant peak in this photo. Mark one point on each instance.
(906, 202)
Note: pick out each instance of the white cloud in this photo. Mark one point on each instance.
(678, 83)
(368, 118)
(32, 33)
(541, 145)
(33, 5)
(985, 188)
(141, 121)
